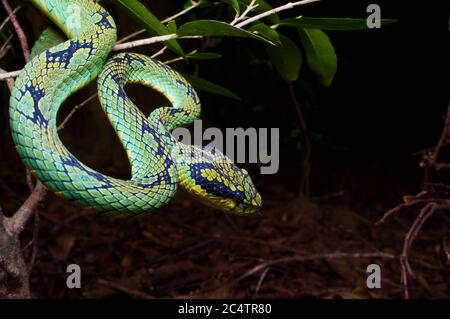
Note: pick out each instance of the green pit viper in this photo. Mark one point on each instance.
(159, 163)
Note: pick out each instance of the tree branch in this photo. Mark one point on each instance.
(15, 224)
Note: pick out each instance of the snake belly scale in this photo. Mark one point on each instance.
(159, 163)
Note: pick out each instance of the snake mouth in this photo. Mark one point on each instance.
(248, 206)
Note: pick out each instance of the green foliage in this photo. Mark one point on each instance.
(217, 29)
(266, 32)
(285, 54)
(234, 4)
(320, 54)
(207, 86)
(286, 57)
(148, 21)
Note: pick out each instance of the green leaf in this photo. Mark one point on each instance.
(320, 54)
(266, 32)
(172, 27)
(148, 21)
(216, 28)
(234, 4)
(203, 56)
(287, 58)
(263, 6)
(207, 86)
(48, 38)
(342, 24)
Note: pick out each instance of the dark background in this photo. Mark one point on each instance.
(388, 101)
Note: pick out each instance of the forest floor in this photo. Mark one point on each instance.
(185, 250)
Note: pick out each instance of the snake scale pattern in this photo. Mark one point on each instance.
(159, 163)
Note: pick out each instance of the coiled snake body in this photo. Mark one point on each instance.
(158, 162)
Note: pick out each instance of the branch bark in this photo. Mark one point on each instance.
(14, 225)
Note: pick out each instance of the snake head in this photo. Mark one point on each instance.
(217, 182)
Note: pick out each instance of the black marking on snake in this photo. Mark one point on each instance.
(64, 56)
(127, 58)
(72, 161)
(155, 135)
(189, 91)
(173, 111)
(165, 67)
(36, 95)
(214, 186)
(163, 176)
(104, 22)
(121, 92)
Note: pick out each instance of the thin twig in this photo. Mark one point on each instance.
(152, 40)
(430, 155)
(267, 13)
(182, 12)
(8, 18)
(130, 36)
(20, 34)
(426, 212)
(444, 135)
(76, 108)
(260, 281)
(415, 202)
(9, 75)
(304, 182)
(159, 52)
(5, 47)
(9, 80)
(252, 5)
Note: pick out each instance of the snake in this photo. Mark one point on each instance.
(160, 164)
